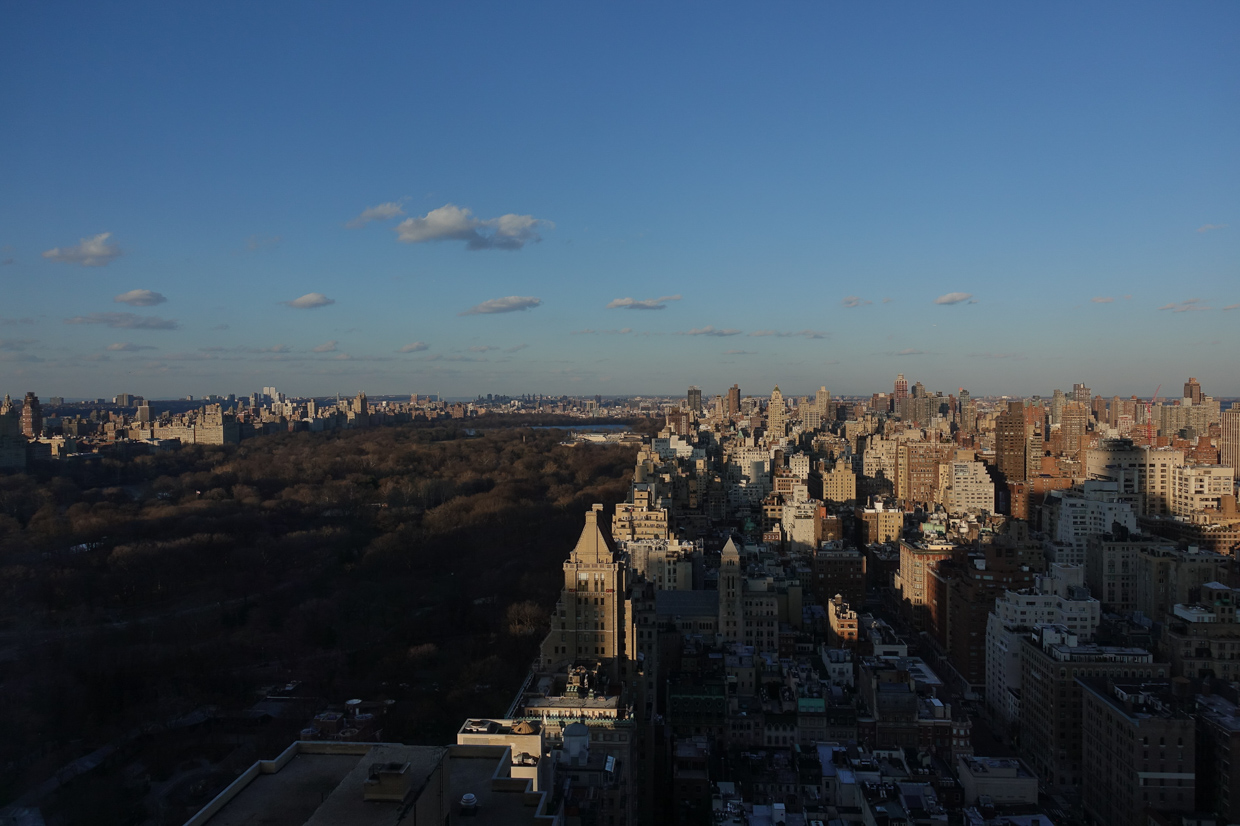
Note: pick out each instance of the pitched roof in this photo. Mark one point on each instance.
(593, 546)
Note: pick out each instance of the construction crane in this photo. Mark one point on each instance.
(1149, 417)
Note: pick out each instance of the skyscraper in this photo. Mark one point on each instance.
(1192, 390)
(1230, 442)
(1011, 437)
(900, 392)
(695, 399)
(775, 415)
(32, 417)
(1072, 428)
(734, 401)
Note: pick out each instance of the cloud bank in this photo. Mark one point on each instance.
(89, 252)
(1188, 306)
(309, 301)
(453, 223)
(709, 330)
(380, 212)
(953, 298)
(509, 304)
(641, 304)
(140, 298)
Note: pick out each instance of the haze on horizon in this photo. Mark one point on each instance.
(618, 199)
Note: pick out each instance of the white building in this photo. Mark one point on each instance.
(1057, 598)
(1197, 487)
(1071, 517)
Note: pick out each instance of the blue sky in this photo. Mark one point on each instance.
(799, 183)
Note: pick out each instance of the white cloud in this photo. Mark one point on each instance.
(381, 212)
(740, 352)
(709, 330)
(851, 301)
(1102, 299)
(140, 298)
(325, 347)
(953, 298)
(1209, 227)
(641, 304)
(89, 252)
(909, 351)
(482, 348)
(125, 321)
(15, 343)
(127, 347)
(1187, 306)
(453, 223)
(516, 348)
(416, 347)
(309, 301)
(509, 304)
(1231, 307)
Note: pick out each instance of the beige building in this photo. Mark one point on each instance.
(968, 488)
(748, 607)
(667, 563)
(1229, 441)
(914, 582)
(639, 522)
(840, 484)
(880, 524)
(1141, 472)
(589, 620)
(1197, 487)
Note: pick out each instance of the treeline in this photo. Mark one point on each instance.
(413, 563)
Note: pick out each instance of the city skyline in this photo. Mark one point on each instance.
(619, 201)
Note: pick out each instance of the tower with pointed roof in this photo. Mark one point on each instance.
(589, 620)
(776, 415)
(731, 609)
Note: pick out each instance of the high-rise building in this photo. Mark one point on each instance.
(1192, 390)
(775, 415)
(1080, 393)
(1011, 442)
(1138, 752)
(1057, 402)
(734, 401)
(1050, 702)
(900, 392)
(695, 399)
(589, 622)
(1072, 428)
(32, 417)
(1229, 443)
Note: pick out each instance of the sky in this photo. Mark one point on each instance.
(622, 198)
